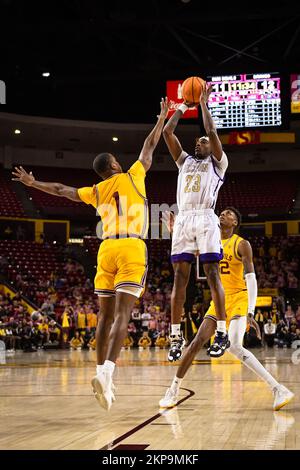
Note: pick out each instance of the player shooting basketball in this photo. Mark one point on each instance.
(196, 228)
(120, 200)
(240, 300)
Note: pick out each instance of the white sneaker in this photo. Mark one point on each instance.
(282, 396)
(170, 399)
(102, 388)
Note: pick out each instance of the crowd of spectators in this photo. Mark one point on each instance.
(67, 301)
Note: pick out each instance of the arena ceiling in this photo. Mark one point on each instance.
(109, 60)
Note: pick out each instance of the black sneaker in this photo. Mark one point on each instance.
(177, 345)
(220, 344)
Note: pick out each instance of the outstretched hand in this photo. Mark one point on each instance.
(22, 176)
(164, 108)
(206, 93)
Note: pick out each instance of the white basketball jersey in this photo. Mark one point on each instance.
(199, 181)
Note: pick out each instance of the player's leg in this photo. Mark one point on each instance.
(182, 272)
(204, 333)
(102, 382)
(130, 259)
(236, 332)
(212, 273)
(105, 321)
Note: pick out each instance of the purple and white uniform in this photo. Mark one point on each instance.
(196, 226)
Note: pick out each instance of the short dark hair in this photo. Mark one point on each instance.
(236, 213)
(101, 163)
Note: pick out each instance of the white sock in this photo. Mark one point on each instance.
(221, 326)
(175, 329)
(236, 333)
(109, 366)
(99, 367)
(253, 364)
(176, 384)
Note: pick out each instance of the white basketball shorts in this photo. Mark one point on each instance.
(197, 231)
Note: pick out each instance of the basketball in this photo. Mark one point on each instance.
(192, 89)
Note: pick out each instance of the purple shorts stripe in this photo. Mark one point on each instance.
(188, 257)
(211, 257)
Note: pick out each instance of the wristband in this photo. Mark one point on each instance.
(183, 108)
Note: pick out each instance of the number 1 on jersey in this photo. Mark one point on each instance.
(118, 204)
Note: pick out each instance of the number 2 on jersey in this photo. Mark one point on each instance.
(224, 267)
(196, 184)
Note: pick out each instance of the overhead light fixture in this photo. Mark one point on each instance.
(17, 131)
(46, 74)
(115, 139)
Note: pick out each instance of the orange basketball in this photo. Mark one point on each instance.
(192, 88)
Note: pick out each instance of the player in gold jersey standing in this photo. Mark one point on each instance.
(120, 200)
(239, 282)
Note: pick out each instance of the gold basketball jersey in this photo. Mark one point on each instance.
(231, 266)
(121, 203)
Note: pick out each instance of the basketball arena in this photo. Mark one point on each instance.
(149, 227)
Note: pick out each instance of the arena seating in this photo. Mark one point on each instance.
(252, 193)
(257, 193)
(10, 206)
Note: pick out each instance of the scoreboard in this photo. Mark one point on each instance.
(245, 101)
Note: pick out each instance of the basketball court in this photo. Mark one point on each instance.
(47, 403)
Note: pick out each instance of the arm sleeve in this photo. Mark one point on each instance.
(252, 291)
(180, 161)
(221, 164)
(88, 195)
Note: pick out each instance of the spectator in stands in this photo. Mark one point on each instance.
(77, 341)
(298, 316)
(145, 317)
(47, 308)
(92, 342)
(269, 331)
(144, 341)
(252, 337)
(54, 332)
(81, 319)
(128, 342)
(43, 327)
(162, 341)
(152, 331)
(132, 331)
(294, 334)
(26, 336)
(275, 313)
(273, 251)
(289, 315)
(282, 334)
(259, 318)
(91, 319)
(292, 281)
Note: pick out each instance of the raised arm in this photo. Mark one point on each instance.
(152, 140)
(209, 125)
(57, 189)
(245, 251)
(171, 140)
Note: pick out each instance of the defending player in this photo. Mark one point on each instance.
(197, 227)
(121, 202)
(240, 300)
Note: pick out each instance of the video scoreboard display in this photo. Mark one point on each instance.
(245, 101)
